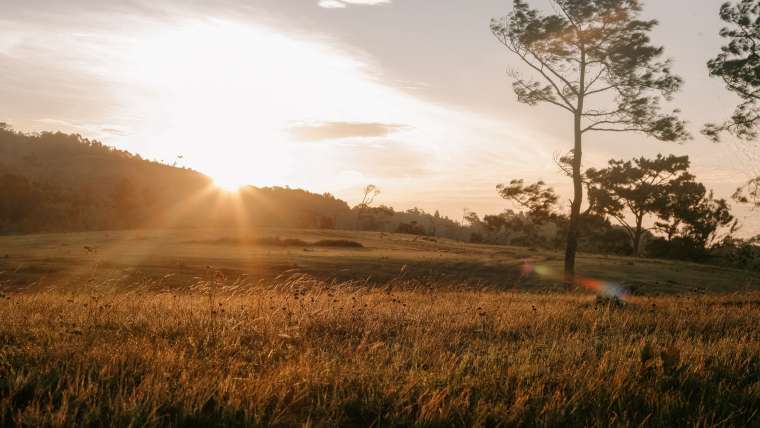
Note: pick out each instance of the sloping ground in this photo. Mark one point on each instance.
(180, 258)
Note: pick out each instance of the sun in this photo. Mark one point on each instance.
(229, 182)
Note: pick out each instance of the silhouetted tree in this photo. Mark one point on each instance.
(370, 193)
(540, 202)
(539, 199)
(749, 193)
(738, 65)
(693, 217)
(638, 187)
(595, 61)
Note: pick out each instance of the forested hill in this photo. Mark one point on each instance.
(55, 182)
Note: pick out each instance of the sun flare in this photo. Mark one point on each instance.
(229, 183)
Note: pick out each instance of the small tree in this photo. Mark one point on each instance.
(370, 193)
(638, 187)
(594, 60)
(694, 215)
(539, 199)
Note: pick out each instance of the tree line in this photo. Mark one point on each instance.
(639, 207)
(56, 182)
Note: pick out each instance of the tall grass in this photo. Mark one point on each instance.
(331, 354)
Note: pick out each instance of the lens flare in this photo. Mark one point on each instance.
(603, 288)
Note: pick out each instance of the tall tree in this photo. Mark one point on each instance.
(638, 187)
(594, 60)
(738, 65)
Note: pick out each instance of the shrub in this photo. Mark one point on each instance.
(338, 243)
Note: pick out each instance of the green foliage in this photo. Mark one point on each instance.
(696, 216)
(738, 65)
(638, 187)
(537, 198)
(593, 58)
(740, 253)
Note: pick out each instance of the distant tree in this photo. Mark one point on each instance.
(595, 61)
(124, 200)
(370, 193)
(539, 199)
(496, 223)
(638, 187)
(472, 218)
(540, 204)
(749, 193)
(18, 202)
(694, 216)
(375, 218)
(412, 228)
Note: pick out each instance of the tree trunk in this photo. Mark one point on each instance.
(637, 237)
(575, 210)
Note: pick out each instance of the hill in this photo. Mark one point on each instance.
(55, 182)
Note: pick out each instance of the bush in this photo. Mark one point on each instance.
(338, 243)
(676, 249)
(277, 241)
(411, 228)
(740, 254)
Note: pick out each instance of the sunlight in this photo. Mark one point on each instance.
(229, 92)
(230, 183)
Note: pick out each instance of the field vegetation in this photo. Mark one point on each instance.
(199, 328)
(303, 352)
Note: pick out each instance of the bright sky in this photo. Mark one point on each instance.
(330, 95)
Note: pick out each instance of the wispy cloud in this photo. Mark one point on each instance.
(342, 4)
(343, 130)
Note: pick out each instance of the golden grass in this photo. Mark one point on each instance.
(335, 355)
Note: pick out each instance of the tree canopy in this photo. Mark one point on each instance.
(638, 187)
(738, 65)
(593, 59)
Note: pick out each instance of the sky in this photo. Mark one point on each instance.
(331, 95)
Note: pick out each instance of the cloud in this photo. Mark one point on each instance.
(342, 4)
(343, 130)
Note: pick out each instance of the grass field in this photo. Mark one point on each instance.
(165, 259)
(205, 328)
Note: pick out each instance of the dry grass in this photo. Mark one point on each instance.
(326, 355)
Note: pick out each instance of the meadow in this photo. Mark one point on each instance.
(254, 332)
(162, 259)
